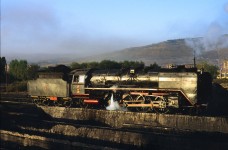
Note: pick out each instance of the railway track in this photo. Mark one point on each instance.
(16, 97)
(16, 100)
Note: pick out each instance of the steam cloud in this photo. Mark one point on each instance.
(114, 105)
(214, 38)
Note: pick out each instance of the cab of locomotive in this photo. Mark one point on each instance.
(78, 82)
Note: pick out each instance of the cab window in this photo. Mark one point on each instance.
(75, 79)
(81, 79)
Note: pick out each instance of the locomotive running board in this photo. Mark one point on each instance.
(142, 89)
(134, 89)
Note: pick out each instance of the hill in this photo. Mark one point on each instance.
(179, 51)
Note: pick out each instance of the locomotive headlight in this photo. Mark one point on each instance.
(132, 71)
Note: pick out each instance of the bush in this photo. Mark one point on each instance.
(17, 87)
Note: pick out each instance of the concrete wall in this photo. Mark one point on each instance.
(119, 119)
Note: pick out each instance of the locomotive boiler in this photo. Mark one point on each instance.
(163, 90)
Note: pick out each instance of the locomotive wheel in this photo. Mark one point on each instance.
(162, 105)
(46, 102)
(38, 102)
(82, 104)
(67, 103)
(142, 109)
(57, 103)
(128, 97)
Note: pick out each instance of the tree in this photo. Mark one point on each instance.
(212, 69)
(108, 64)
(32, 72)
(93, 65)
(75, 65)
(2, 69)
(83, 65)
(18, 69)
(132, 64)
(154, 67)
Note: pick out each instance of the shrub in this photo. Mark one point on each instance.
(17, 87)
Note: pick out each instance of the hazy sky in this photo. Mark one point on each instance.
(82, 27)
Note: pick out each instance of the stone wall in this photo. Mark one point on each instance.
(119, 119)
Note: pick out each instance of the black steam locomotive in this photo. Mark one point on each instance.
(174, 89)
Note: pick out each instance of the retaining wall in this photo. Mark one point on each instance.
(119, 119)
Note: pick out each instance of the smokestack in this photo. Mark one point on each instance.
(194, 60)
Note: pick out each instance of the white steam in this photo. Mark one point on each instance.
(214, 39)
(196, 44)
(114, 105)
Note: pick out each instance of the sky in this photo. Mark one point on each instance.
(89, 27)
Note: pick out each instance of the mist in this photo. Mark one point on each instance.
(34, 31)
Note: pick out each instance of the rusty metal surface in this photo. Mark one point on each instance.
(48, 87)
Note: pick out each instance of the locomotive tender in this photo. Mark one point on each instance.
(161, 90)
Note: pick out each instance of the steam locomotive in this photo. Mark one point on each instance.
(164, 90)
